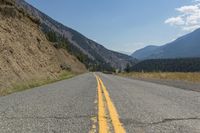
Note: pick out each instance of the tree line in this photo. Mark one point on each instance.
(168, 65)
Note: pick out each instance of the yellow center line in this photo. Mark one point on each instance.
(118, 127)
(103, 127)
(113, 112)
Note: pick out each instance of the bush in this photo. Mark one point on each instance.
(65, 66)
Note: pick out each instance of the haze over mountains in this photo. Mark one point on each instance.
(187, 46)
(144, 52)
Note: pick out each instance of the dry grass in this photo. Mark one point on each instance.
(190, 77)
(35, 83)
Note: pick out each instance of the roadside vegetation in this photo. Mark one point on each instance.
(36, 83)
(183, 69)
(182, 76)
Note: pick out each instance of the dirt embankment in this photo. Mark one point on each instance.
(25, 53)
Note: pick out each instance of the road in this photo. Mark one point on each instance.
(101, 103)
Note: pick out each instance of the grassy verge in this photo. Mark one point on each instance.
(189, 77)
(36, 83)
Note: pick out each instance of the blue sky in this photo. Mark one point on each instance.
(120, 25)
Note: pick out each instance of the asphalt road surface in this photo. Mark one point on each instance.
(101, 103)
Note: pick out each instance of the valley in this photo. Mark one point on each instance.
(55, 79)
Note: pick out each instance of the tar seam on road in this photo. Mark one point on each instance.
(103, 126)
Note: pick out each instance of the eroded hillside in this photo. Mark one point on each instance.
(25, 53)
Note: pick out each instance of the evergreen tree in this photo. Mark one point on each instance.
(128, 68)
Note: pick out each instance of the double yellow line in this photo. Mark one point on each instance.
(107, 104)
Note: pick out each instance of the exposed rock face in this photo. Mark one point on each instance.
(25, 53)
(7, 2)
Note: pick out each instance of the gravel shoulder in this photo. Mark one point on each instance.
(174, 83)
(182, 84)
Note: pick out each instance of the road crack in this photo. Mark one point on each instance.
(50, 117)
(143, 124)
(174, 119)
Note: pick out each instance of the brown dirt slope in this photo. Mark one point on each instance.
(25, 53)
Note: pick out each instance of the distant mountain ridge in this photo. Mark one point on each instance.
(187, 46)
(144, 52)
(98, 54)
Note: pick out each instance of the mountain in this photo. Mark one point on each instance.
(186, 46)
(144, 52)
(26, 56)
(92, 54)
(124, 52)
